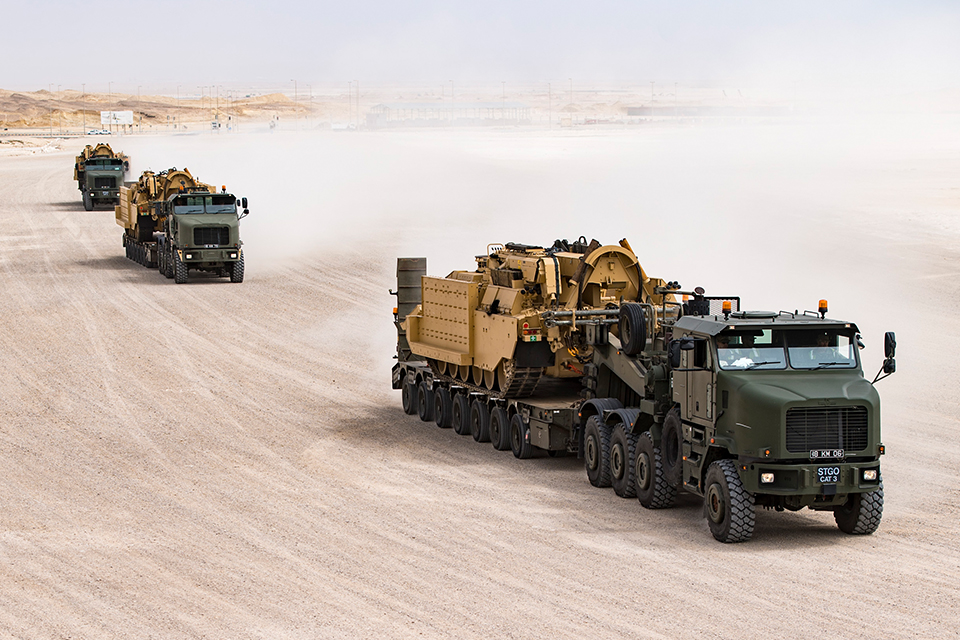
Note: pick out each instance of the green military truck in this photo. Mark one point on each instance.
(174, 222)
(99, 173)
(690, 394)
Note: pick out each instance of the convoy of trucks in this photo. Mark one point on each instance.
(176, 223)
(99, 173)
(573, 349)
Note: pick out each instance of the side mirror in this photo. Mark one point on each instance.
(244, 202)
(889, 344)
(675, 354)
(889, 366)
(686, 344)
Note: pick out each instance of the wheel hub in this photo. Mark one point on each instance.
(590, 452)
(715, 506)
(616, 461)
(643, 471)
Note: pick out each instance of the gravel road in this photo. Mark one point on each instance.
(215, 460)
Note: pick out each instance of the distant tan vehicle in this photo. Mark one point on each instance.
(99, 173)
(526, 312)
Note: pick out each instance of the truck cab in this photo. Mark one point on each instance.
(783, 395)
(99, 180)
(202, 232)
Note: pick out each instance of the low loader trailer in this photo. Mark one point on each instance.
(688, 394)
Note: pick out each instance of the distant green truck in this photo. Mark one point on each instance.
(742, 408)
(99, 173)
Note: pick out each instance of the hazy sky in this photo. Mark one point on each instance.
(856, 44)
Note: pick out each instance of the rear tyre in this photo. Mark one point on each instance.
(500, 429)
(408, 398)
(730, 508)
(236, 270)
(596, 451)
(425, 402)
(180, 270)
(442, 407)
(623, 449)
(861, 514)
(653, 491)
(670, 448)
(520, 438)
(480, 421)
(461, 414)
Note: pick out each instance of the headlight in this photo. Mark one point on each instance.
(233, 256)
(766, 478)
(870, 475)
(189, 256)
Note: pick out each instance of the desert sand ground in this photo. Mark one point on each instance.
(228, 461)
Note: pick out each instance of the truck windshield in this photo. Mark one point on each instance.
(820, 349)
(751, 349)
(205, 203)
(765, 349)
(103, 163)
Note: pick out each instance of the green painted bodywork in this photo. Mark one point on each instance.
(181, 236)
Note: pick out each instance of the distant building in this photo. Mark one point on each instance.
(440, 114)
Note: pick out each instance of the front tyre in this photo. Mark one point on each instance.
(180, 271)
(861, 514)
(730, 508)
(236, 270)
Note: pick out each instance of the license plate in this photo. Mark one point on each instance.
(818, 454)
(828, 475)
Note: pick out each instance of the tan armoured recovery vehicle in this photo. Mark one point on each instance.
(529, 312)
(99, 172)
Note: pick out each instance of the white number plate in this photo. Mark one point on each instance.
(828, 475)
(817, 454)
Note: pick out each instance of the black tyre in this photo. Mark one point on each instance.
(425, 402)
(520, 438)
(87, 202)
(461, 414)
(623, 450)
(633, 328)
(861, 514)
(670, 448)
(596, 451)
(500, 429)
(442, 408)
(730, 509)
(408, 398)
(653, 491)
(180, 270)
(480, 421)
(236, 270)
(167, 267)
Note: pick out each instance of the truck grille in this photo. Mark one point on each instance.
(211, 235)
(826, 428)
(106, 182)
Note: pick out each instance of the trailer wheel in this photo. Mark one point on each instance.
(520, 438)
(180, 270)
(480, 421)
(425, 402)
(408, 398)
(461, 414)
(87, 201)
(633, 328)
(623, 453)
(596, 451)
(653, 491)
(730, 508)
(500, 429)
(862, 512)
(236, 270)
(442, 407)
(670, 448)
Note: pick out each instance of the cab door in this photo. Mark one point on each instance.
(699, 382)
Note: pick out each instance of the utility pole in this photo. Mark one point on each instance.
(59, 110)
(651, 91)
(571, 90)
(177, 123)
(139, 111)
(503, 99)
(358, 104)
(294, 98)
(549, 106)
(83, 109)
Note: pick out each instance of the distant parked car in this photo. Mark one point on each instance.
(98, 132)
